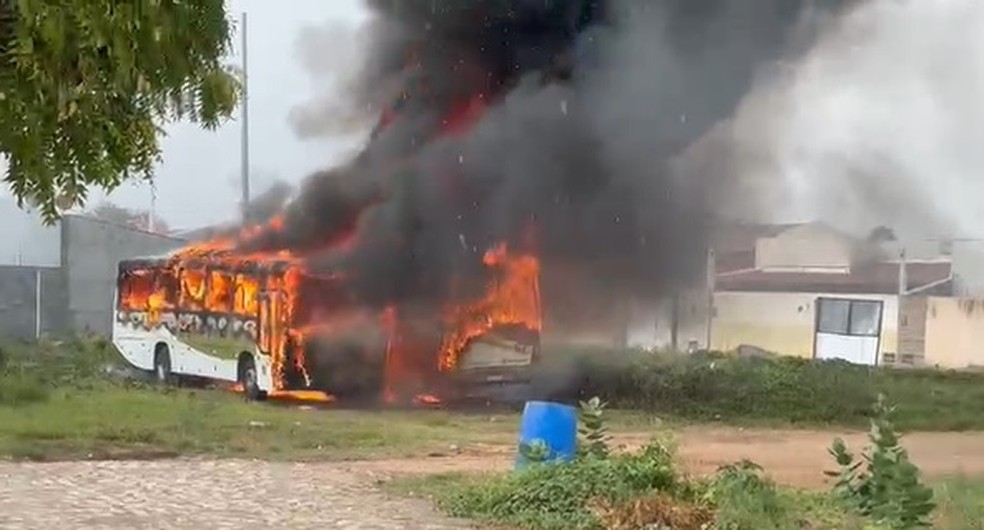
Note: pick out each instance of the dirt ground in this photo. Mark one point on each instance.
(790, 457)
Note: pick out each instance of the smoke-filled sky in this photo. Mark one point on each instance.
(882, 123)
(877, 125)
(586, 104)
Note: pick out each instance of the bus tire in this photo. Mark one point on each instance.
(162, 365)
(249, 379)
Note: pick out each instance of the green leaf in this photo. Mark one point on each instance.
(87, 85)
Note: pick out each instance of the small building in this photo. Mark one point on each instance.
(811, 291)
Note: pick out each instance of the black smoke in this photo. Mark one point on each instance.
(587, 103)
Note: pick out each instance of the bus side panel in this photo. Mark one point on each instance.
(137, 346)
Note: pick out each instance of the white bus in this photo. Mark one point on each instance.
(241, 322)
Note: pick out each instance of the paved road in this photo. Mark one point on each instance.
(189, 494)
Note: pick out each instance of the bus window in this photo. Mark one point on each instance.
(135, 289)
(219, 296)
(167, 287)
(245, 301)
(192, 290)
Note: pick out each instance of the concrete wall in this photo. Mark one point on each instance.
(954, 333)
(783, 323)
(651, 325)
(90, 251)
(19, 311)
(804, 247)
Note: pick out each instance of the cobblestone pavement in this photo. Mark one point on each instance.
(187, 494)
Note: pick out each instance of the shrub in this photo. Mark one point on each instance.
(710, 386)
(581, 494)
(593, 437)
(74, 362)
(558, 496)
(743, 498)
(884, 484)
(643, 490)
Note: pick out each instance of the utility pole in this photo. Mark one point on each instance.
(903, 280)
(244, 108)
(153, 207)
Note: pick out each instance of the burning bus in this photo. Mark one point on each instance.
(412, 269)
(269, 325)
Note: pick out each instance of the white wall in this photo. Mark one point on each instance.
(783, 323)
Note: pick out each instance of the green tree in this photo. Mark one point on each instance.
(85, 86)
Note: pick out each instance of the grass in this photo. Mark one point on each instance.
(126, 421)
(961, 505)
(109, 422)
(57, 403)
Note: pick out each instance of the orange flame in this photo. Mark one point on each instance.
(512, 298)
(427, 399)
(212, 277)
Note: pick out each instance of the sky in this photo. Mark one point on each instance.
(197, 183)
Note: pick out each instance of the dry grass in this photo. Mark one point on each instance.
(653, 511)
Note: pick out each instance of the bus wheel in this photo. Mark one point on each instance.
(249, 379)
(162, 365)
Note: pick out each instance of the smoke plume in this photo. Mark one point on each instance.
(878, 124)
(545, 120)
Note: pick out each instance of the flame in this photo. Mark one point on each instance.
(512, 298)
(427, 399)
(200, 278)
(212, 277)
(314, 396)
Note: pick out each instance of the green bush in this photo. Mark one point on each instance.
(30, 371)
(717, 387)
(75, 361)
(884, 485)
(557, 496)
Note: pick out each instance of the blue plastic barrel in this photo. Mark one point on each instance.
(552, 425)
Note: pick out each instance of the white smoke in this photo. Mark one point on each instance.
(881, 123)
(333, 54)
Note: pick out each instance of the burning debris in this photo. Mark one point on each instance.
(509, 136)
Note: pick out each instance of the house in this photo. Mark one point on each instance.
(812, 291)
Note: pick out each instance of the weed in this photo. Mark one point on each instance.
(657, 512)
(559, 496)
(743, 498)
(20, 389)
(884, 484)
(593, 432)
(600, 489)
